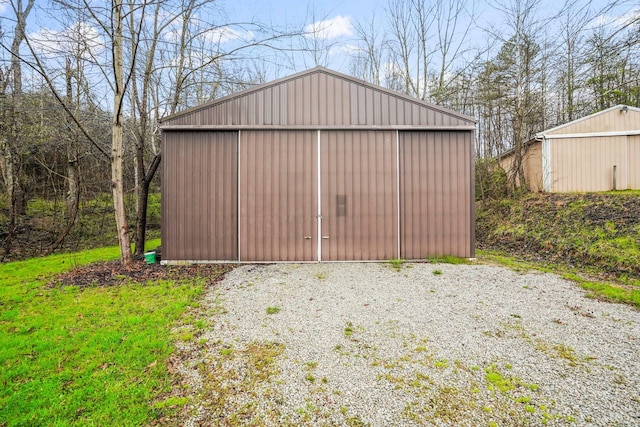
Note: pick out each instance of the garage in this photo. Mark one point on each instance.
(318, 166)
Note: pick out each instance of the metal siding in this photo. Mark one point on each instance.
(199, 189)
(533, 166)
(258, 108)
(376, 108)
(586, 164)
(384, 110)
(398, 107)
(360, 168)
(280, 104)
(352, 91)
(470, 207)
(278, 196)
(320, 98)
(634, 162)
(341, 110)
(279, 177)
(435, 194)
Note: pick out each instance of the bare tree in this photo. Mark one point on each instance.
(520, 60)
(9, 139)
(142, 119)
(117, 143)
(573, 20)
(451, 44)
(315, 43)
(402, 46)
(367, 61)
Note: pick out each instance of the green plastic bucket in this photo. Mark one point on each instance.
(150, 257)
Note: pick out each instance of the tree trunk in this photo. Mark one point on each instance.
(16, 198)
(141, 222)
(72, 187)
(10, 181)
(118, 194)
(72, 162)
(117, 145)
(143, 199)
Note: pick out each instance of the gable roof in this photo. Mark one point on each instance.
(612, 119)
(609, 122)
(318, 97)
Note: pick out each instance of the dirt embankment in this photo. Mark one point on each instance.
(600, 232)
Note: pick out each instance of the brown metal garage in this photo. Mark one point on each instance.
(317, 166)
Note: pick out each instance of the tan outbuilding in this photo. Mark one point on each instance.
(600, 152)
(318, 166)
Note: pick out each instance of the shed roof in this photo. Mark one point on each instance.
(317, 98)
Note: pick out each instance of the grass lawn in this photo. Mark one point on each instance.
(84, 357)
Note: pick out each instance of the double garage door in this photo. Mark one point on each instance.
(316, 195)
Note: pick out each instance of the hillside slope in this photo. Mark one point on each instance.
(597, 233)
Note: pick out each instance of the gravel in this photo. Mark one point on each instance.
(428, 344)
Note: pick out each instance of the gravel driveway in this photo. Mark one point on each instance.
(358, 344)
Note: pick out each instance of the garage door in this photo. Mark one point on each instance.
(200, 196)
(359, 195)
(436, 194)
(278, 196)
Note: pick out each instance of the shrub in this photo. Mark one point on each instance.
(491, 180)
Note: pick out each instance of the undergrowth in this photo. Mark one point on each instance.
(44, 221)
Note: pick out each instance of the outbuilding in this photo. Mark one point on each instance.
(318, 166)
(599, 152)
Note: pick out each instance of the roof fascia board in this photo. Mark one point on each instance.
(590, 134)
(314, 127)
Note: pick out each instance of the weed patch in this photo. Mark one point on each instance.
(396, 263)
(273, 310)
(452, 393)
(233, 379)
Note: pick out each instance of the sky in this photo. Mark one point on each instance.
(338, 17)
(334, 20)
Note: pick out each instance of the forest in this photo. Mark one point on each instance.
(81, 98)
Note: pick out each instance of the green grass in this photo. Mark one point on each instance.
(621, 192)
(92, 356)
(273, 310)
(349, 329)
(447, 259)
(396, 263)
